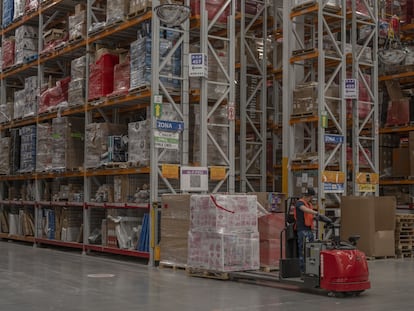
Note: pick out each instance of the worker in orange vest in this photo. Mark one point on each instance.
(304, 215)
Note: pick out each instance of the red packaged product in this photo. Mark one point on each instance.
(101, 76)
(212, 8)
(8, 53)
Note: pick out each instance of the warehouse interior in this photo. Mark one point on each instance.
(177, 134)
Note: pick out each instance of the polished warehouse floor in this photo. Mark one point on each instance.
(41, 279)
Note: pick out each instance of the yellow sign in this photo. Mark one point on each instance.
(217, 173)
(367, 178)
(333, 177)
(367, 188)
(170, 171)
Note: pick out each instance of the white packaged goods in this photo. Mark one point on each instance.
(116, 11)
(44, 152)
(223, 251)
(77, 25)
(78, 68)
(18, 8)
(224, 213)
(19, 101)
(5, 156)
(138, 142)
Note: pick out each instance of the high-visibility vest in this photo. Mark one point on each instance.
(308, 217)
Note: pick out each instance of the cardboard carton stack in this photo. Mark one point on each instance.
(373, 218)
(26, 43)
(68, 143)
(223, 233)
(5, 155)
(270, 227)
(175, 224)
(404, 235)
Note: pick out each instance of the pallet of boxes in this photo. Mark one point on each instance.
(223, 235)
(404, 235)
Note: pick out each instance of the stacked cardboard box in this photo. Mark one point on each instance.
(175, 224)
(26, 46)
(270, 227)
(67, 143)
(96, 140)
(31, 96)
(373, 218)
(404, 235)
(223, 233)
(28, 148)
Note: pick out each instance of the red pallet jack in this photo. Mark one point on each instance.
(336, 267)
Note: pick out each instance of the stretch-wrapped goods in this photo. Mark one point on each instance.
(44, 152)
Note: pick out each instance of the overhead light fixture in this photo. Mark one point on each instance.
(172, 14)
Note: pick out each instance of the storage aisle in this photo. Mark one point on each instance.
(41, 279)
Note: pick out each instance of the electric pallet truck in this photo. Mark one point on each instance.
(331, 265)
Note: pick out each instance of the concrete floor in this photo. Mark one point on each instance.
(41, 279)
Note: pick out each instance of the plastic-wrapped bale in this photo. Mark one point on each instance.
(5, 155)
(44, 152)
(31, 5)
(6, 112)
(137, 63)
(76, 93)
(139, 137)
(68, 143)
(224, 213)
(15, 151)
(116, 10)
(101, 76)
(8, 52)
(54, 96)
(136, 6)
(26, 50)
(122, 78)
(31, 93)
(8, 12)
(223, 252)
(19, 102)
(77, 25)
(220, 134)
(78, 68)
(212, 7)
(19, 6)
(96, 140)
(27, 149)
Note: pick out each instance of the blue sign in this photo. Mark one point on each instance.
(333, 188)
(334, 139)
(173, 126)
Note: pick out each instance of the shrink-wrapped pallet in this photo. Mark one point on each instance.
(5, 155)
(68, 143)
(44, 152)
(96, 140)
(116, 10)
(27, 148)
(77, 25)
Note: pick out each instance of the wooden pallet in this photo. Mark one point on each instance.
(304, 52)
(208, 274)
(372, 258)
(138, 89)
(173, 266)
(266, 268)
(302, 115)
(304, 5)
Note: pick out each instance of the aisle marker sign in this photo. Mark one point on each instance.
(198, 65)
(351, 88)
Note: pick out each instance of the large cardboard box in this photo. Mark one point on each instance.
(175, 224)
(400, 162)
(373, 218)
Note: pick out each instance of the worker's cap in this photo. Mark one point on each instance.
(309, 192)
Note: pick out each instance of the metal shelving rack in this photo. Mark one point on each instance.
(253, 96)
(365, 130)
(309, 28)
